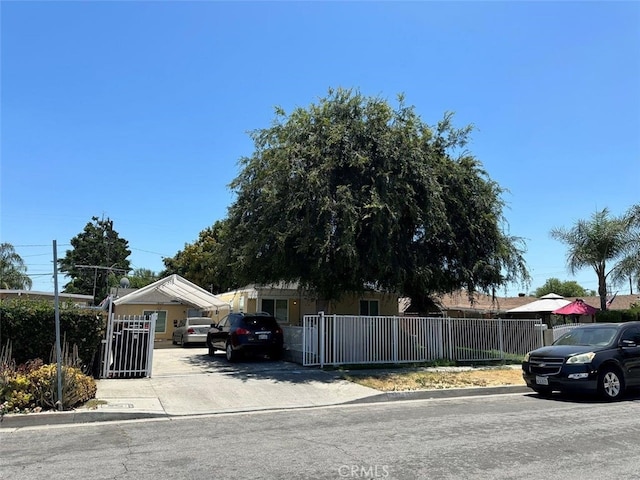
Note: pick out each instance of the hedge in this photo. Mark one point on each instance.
(30, 327)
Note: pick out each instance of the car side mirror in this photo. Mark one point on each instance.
(628, 344)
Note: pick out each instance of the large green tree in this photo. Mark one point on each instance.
(203, 262)
(140, 277)
(352, 193)
(608, 244)
(13, 271)
(98, 253)
(569, 288)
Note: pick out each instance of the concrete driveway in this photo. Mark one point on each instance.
(186, 381)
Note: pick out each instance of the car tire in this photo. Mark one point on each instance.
(182, 342)
(611, 384)
(173, 340)
(212, 351)
(232, 355)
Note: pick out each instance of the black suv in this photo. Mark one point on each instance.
(601, 358)
(246, 333)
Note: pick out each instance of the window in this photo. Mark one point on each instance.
(161, 322)
(369, 308)
(632, 334)
(278, 307)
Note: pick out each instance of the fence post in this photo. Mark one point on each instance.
(449, 339)
(501, 338)
(106, 358)
(151, 340)
(334, 327)
(395, 339)
(321, 338)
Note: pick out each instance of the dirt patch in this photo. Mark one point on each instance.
(403, 381)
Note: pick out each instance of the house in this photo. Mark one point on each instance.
(458, 305)
(172, 298)
(74, 298)
(289, 303)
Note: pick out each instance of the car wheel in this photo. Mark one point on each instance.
(212, 351)
(611, 384)
(232, 356)
(173, 340)
(182, 342)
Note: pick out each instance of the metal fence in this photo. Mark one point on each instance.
(560, 330)
(128, 346)
(345, 339)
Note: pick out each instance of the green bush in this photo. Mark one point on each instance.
(30, 326)
(34, 387)
(77, 388)
(616, 316)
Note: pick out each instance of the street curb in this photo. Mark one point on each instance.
(442, 393)
(18, 420)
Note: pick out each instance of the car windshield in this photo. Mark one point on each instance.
(588, 336)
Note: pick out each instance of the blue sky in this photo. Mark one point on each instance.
(140, 111)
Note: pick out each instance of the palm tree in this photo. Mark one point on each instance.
(12, 269)
(604, 239)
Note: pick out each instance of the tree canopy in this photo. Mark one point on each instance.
(98, 252)
(569, 288)
(608, 244)
(13, 271)
(140, 277)
(203, 262)
(351, 193)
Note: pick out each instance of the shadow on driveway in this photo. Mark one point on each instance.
(195, 360)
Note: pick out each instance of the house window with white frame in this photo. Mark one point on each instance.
(369, 308)
(161, 321)
(278, 307)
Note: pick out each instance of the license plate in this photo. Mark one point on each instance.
(263, 337)
(542, 380)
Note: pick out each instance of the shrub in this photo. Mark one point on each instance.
(30, 326)
(33, 386)
(616, 316)
(77, 388)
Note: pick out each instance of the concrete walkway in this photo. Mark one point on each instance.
(186, 381)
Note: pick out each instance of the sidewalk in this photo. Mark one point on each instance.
(185, 381)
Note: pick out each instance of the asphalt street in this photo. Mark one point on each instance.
(186, 381)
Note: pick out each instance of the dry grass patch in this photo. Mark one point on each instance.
(402, 381)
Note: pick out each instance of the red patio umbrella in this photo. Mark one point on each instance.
(576, 308)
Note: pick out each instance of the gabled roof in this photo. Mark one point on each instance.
(173, 289)
(545, 304)
(487, 304)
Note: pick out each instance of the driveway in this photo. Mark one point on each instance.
(186, 381)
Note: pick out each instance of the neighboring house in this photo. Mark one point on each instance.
(172, 298)
(75, 298)
(458, 305)
(289, 304)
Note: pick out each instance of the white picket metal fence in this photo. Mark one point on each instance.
(128, 346)
(560, 330)
(344, 339)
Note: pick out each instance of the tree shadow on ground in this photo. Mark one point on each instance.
(258, 367)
